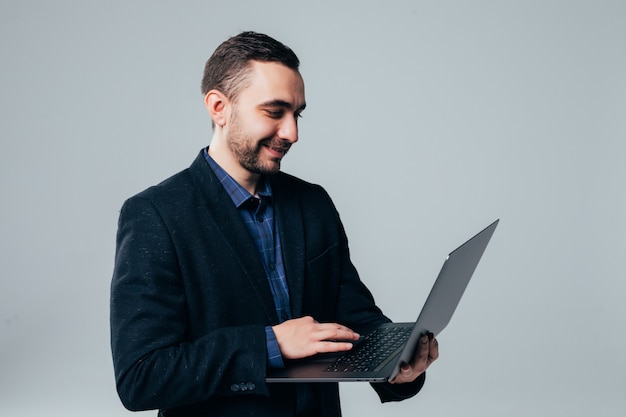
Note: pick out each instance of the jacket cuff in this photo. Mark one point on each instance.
(397, 392)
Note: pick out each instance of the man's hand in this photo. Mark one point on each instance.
(303, 337)
(427, 353)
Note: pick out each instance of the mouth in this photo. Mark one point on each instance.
(277, 151)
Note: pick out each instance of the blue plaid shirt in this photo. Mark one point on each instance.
(258, 216)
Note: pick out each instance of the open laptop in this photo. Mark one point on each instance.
(436, 313)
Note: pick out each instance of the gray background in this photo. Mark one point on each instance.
(426, 120)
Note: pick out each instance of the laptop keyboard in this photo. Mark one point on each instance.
(372, 352)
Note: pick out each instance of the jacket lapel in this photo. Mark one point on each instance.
(228, 222)
(289, 216)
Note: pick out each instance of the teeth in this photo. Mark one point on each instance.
(277, 148)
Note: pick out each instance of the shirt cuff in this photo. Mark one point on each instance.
(274, 358)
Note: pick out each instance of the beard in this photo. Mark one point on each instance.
(247, 150)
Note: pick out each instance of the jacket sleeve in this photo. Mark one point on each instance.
(157, 364)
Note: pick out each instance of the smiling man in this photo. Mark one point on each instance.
(232, 267)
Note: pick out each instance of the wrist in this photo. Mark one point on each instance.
(274, 357)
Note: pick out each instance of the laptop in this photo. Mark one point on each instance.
(393, 344)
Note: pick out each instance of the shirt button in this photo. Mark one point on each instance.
(272, 267)
(259, 219)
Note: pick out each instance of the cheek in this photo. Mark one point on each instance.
(253, 125)
(261, 128)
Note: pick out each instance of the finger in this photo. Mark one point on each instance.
(334, 326)
(409, 372)
(404, 374)
(332, 331)
(427, 352)
(406, 371)
(423, 351)
(433, 352)
(329, 347)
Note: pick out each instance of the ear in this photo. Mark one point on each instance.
(215, 103)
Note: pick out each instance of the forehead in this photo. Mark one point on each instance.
(271, 81)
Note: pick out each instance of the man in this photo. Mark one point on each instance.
(232, 267)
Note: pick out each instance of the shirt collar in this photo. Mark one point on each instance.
(237, 193)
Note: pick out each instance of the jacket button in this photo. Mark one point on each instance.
(251, 386)
(234, 387)
(243, 386)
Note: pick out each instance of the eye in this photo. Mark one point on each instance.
(275, 114)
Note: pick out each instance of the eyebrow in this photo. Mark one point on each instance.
(281, 103)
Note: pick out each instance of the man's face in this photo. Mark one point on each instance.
(263, 121)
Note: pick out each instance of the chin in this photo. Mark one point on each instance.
(271, 171)
(270, 168)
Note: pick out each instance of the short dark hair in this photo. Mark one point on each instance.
(228, 68)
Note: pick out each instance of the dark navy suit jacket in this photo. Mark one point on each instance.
(190, 299)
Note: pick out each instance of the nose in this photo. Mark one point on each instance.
(289, 129)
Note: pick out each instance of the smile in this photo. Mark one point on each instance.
(279, 150)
